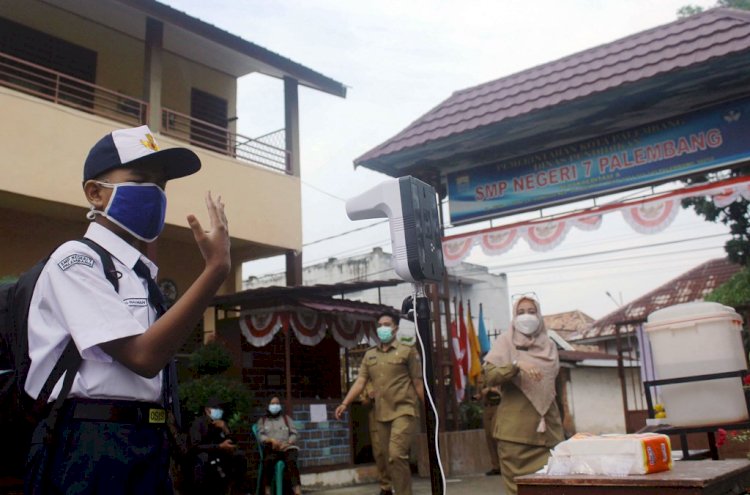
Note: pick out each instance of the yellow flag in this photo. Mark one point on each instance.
(475, 364)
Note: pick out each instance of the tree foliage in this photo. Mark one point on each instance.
(734, 215)
(735, 292)
(688, 10)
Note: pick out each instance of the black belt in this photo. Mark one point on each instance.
(130, 412)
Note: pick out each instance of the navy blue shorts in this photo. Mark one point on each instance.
(100, 457)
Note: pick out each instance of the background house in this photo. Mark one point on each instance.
(621, 332)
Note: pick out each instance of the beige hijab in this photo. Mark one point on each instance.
(536, 349)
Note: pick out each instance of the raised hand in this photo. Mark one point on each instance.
(213, 243)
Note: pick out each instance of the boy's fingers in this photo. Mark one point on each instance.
(213, 215)
(195, 225)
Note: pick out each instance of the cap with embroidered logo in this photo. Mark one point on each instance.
(125, 148)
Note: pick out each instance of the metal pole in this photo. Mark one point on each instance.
(422, 308)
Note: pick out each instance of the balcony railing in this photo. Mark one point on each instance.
(267, 151)
(65, 90)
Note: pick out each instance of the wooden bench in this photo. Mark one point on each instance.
(706, 477)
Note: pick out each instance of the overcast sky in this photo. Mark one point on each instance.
(401, 58)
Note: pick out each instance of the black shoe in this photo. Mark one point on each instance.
(492, 472)
(386, 492)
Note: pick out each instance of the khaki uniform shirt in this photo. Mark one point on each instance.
(516, 419)
(391, 372)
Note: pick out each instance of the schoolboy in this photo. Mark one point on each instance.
(110, 438)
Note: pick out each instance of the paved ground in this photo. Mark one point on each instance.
(466, 485)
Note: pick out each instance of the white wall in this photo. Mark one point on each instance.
(596, 400)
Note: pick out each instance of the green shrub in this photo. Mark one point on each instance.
(194, 395)
(471, 415)
(210, 359)
(208, 363)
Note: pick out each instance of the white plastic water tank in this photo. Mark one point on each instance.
(698, 338)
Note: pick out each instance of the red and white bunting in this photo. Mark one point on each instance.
(454, 251)
(590, 222)
(652, 217)
(259, 327)
(545, 236)
(495, 243)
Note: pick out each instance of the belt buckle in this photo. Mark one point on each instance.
(157, 416)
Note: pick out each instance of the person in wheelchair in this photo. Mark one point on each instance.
(278, 436)
(217, 462)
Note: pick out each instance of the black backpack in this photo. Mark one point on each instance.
(19, 413)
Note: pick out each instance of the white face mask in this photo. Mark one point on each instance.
(527, 324)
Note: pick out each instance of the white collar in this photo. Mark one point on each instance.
(118, 247)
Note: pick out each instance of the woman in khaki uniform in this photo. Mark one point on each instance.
(524, 363)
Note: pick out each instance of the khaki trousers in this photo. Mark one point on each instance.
(517, 459)
(397, 436)
(488, 420)
(379, 453)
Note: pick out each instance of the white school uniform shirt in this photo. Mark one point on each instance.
(74, 299)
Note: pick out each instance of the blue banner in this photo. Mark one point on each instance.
(696, 142)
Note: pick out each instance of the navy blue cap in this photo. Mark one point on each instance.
(136, 146)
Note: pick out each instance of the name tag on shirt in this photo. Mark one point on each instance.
(136, 302)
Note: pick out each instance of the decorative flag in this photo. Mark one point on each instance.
(475, 364)
(484, 339)
(463, 339)
(459, 380)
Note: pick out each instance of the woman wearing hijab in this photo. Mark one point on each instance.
(524, 363)
(279, 438)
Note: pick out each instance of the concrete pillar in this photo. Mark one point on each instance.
(291, 126)
(152, 72)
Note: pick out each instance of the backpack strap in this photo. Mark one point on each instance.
(70, 359)
(107, 264)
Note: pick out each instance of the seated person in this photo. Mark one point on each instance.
(217, 462)
(278, 436)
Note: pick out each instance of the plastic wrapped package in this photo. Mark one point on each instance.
(612, 455)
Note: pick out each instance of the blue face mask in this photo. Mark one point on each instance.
(215, 413)
(138, 208)
(385, 334)
(274, 409)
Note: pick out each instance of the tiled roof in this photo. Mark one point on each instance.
(570, 325)
(693, 285)
(678, 45)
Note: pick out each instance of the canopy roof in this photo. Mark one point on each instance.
(312, 296)
(652, 75)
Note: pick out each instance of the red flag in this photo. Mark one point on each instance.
(459, 379)
(463, 337)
